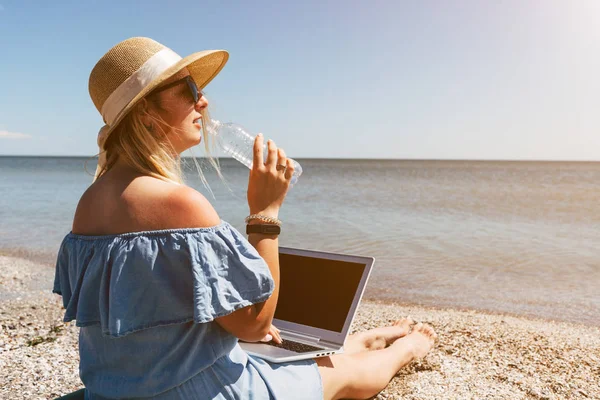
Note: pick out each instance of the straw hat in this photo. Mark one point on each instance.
(132, 69)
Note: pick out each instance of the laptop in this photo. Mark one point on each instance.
(318, 298)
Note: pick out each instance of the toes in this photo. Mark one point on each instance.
(424, 328)
(428, 330)
(418, 327)
(404, 322)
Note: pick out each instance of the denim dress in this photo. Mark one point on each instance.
(146, 304)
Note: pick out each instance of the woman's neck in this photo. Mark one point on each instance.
(124, 169)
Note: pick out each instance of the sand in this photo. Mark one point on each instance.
(478, 355)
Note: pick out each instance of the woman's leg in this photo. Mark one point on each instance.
(364, 374)
(378, 338)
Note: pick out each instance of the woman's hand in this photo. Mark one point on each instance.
(273, 335)
(269, 181)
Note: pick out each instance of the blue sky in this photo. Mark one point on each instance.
(424, 79)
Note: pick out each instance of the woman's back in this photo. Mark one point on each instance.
(146, 300)
(129, 202)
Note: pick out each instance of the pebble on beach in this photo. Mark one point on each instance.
(477, 356)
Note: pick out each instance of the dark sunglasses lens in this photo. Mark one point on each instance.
(193, 89)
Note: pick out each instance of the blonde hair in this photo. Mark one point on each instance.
(147, 148)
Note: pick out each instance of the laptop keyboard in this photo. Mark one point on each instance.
(295, 346)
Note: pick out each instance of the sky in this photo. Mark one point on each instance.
(460, 79)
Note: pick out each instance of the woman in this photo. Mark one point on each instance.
(161, 287)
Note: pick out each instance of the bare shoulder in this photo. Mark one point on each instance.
(188, 208)
(146, 203)
(85, 220)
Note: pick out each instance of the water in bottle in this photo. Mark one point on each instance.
(234, 140)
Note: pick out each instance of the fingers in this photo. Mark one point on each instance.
(273, 334)
(276, 335)
(281, 160)
(289, 171)
(276, 159)
(267, 338)
(285, 164)
(258, 151)
(271, 155)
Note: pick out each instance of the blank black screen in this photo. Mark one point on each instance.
(316, 292)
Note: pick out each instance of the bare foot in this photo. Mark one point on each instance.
(378, 338)
(421, 340)
(399, 328)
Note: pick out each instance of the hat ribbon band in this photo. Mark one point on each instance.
(132, 86)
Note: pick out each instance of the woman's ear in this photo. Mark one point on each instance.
(144, 110)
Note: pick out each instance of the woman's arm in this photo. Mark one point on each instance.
(267, 188)
(188, 208)
(253, 323)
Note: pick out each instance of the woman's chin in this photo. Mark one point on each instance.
(199, 133)
(194, 140)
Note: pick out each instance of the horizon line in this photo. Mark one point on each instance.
(342, 158)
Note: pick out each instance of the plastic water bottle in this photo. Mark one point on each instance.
(239, 144)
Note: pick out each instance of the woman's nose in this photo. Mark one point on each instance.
(202, 103)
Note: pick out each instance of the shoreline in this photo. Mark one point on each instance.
(42, 258)
(482, 311)
(478, 354)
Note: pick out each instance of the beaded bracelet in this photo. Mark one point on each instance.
(269, 220)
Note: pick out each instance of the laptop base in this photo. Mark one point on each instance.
(278, 355)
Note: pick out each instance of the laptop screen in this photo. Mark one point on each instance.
(317, 292)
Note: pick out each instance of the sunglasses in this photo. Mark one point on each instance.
(196, 94)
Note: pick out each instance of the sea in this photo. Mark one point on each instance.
(520, 238)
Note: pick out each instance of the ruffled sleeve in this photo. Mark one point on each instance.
(229, 274)
(141, 280)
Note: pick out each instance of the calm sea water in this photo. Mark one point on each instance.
(516, 237)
